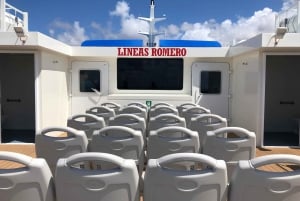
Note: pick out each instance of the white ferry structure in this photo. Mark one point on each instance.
(254, 84)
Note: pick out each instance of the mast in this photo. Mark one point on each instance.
(151, 34)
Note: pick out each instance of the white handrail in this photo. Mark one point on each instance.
(11, 16)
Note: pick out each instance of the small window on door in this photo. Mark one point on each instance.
(210, 82)
(89, 80)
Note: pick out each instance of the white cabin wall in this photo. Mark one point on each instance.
(124, 97)
(246, 93)
(53, 91)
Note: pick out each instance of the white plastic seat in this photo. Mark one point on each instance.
(165, 120)
(108, 184)
(206, 122)
(121, 141)
(88, 123)
(173, 139)
(32, 181)
(159, 104)
(164, 182)
(230, 149)
(129, 120)
(52, 148)
(248, 183)
(138, 104)
(112, 105)
(136, 110)
(183, 106)
(155, 111)
(191, 112)
(102, 111)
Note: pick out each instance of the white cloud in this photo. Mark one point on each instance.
(227, 31)
(130, 25)
(288, 4)
(224, 32)
(72, 34)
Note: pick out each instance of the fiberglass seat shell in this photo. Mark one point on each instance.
(173, 139)
(115, 106)
(165, 120)
(153, 112)
(231, 149)
(191, 112)
(164, 182)
(105, 184)
(249, 183)
(121, 141)
(206, 122)
(129, 120)
(102, 111)
(183, 106)
(159, 104)
(138, 104)
(136, 110)
(52, 148)
(32, 181)
(86, 122)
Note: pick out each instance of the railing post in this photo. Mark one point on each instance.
(2, 15)
(298, 17)
(25, 21)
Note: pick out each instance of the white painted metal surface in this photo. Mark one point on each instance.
(81, 101)
(217, 103)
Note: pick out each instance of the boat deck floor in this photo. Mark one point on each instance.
(29, 150)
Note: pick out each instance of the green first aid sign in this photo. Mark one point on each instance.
(148, 103)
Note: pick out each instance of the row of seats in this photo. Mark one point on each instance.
(106, 177)
(129, 143)
(163, 133)
(109, 109)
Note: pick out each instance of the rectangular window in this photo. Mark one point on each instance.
(150, 74)
(210, 82)
(89, 80)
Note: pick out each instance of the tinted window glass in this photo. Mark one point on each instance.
(89, 79)
(210, 82)
(150, 74)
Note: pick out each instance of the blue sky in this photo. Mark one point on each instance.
(223, 20)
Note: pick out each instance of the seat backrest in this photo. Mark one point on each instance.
(88, 123)
(206, 122)
(139, 104)
(220, 145)
(121, 141)
(191, 112)
(205, 180)
(155, 111)
(129, 120)
(183, 106)
(32, 181)
(112, 105)
(136, 110)
(250, 183)
(68, 142)
(102, 111)
(172, 139)
(159, 104)
(106, 184)
(164, 120)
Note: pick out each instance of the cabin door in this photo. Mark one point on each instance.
(17, 97)
(89, 85)
(210, 86)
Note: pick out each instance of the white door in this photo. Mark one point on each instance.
(210, 86)
(89, 85)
